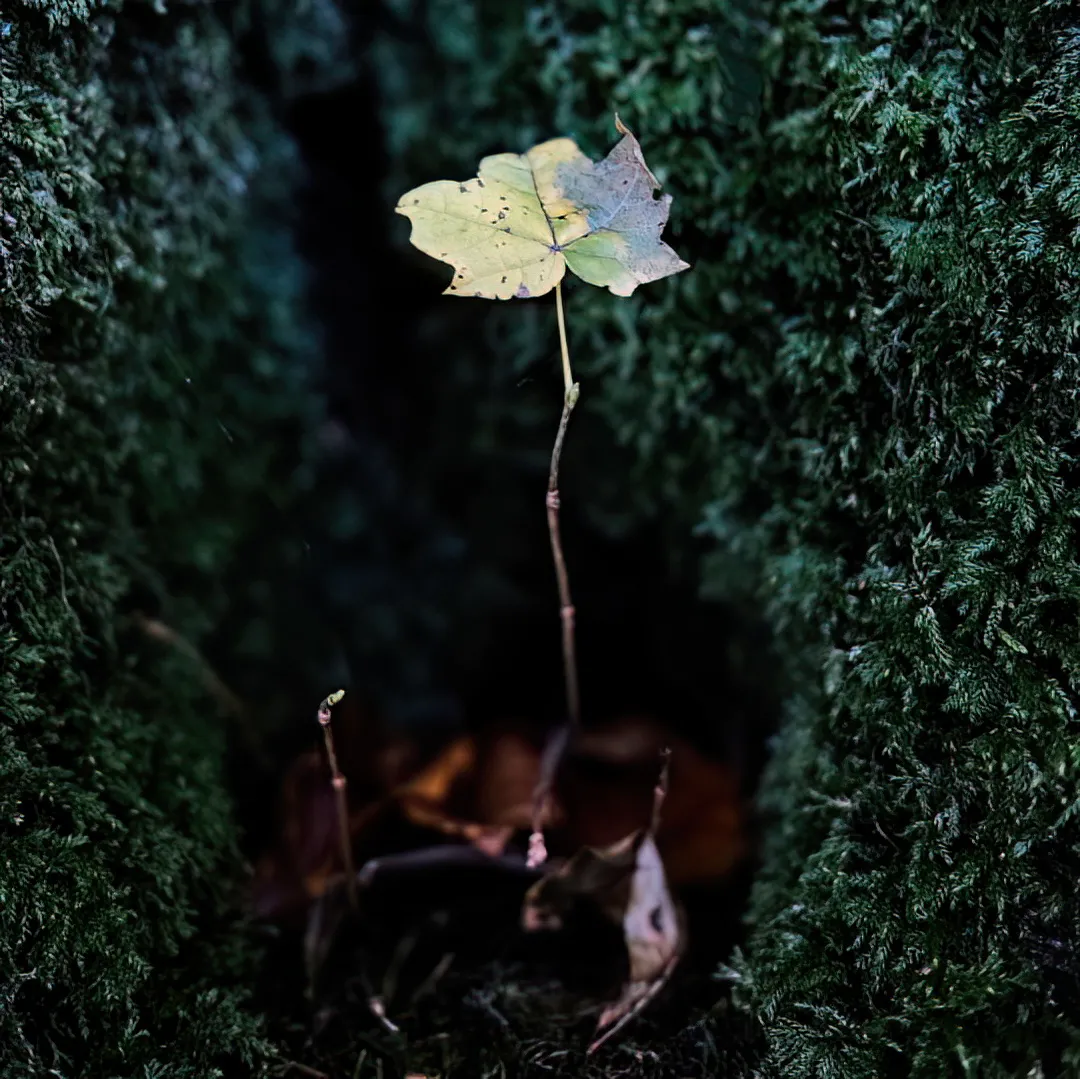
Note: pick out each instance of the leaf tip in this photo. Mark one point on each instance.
(407, 202)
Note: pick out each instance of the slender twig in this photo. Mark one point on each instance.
(402, 951)
(303, 1069)
(159, 631)
(566, 604)
(639, 1005)
(378, 1009)
(230, 703)
(661, 788)
(545, 783)
(571, 390)
(339, 782)
(434, 976)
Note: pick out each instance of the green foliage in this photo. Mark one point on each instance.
(865, 396)
(151, 362)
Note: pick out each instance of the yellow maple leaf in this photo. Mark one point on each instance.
(515, 228)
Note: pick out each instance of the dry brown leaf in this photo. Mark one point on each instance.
(481, 790)
(600, 800)
(470, 791)
(628, 883)
(435, 783)
(700, 835)
(507, 777)
(650, 923)
(653, 928)
(425, 799)
(601, 875)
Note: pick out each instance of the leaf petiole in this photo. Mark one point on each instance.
(568, 378)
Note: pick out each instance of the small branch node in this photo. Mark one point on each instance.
(537, 849)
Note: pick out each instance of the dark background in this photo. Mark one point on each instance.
(423, 570)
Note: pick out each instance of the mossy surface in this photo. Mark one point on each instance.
(862, 399)
(152, 380)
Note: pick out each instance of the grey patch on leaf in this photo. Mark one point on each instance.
(618, 195)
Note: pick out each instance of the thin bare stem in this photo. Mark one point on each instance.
(639, 1005)
(571, 390)
(303, 1069)
(661, 788)
(566, 603)
(378, 1009)
(230, 703)
(339, 782)
(549, 764)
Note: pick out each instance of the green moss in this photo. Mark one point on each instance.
(151, 381)
(863, 396)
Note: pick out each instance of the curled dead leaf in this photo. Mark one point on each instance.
(626, 880)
